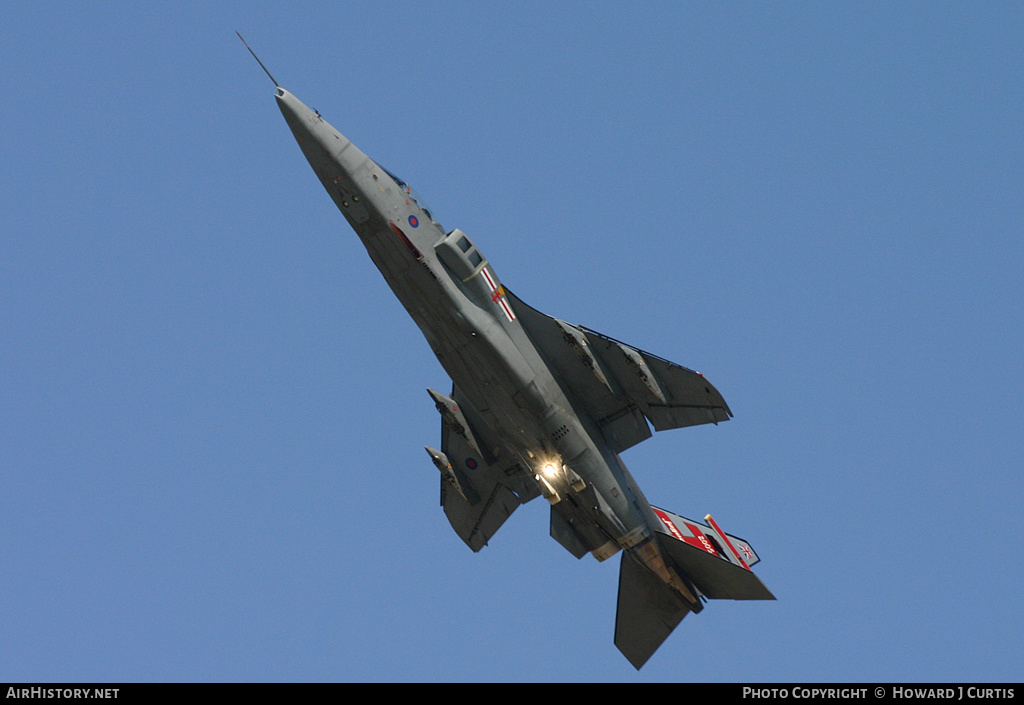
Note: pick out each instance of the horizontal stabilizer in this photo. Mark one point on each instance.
(714, 576)
(648, 611)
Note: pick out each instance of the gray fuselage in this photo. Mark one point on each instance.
(459, 304)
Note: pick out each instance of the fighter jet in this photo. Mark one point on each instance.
(538, 406)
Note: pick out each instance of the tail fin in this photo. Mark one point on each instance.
(715, 564)
(648, 611)
(718, 564)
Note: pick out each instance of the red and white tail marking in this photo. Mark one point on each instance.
(696, 537)
(728, 543)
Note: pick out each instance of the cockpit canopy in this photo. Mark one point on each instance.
(417, 199)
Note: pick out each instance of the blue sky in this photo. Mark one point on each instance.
(212, 409)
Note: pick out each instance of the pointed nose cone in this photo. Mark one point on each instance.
(298, 116)
(318, 140)
(323, 146)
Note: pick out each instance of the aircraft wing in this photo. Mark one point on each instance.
(493, 484)
(620, 385)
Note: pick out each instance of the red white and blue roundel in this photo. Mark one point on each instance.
(414, 221)
(471, 463)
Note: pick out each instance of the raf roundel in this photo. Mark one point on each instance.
(414, 221)
(471, 463)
